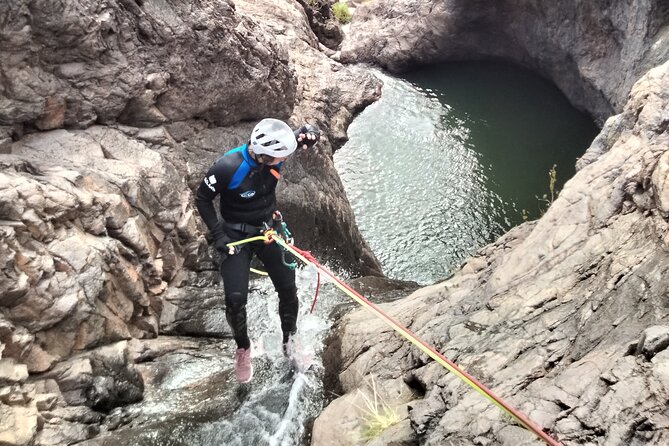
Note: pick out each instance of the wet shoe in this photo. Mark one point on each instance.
(243, 367)
(289, 348)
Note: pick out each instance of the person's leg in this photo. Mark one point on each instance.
(235, 273)
(283, 279)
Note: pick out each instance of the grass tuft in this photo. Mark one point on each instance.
(342, 13)
(377, 414)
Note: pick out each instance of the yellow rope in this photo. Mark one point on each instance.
(249, 240)
(270, 235)
(257, 271)
(425, 348)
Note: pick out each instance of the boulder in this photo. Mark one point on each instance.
(11, 373)
(17, 424)
(101, 379)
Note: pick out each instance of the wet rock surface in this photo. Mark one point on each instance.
(189, 382)
(565, 318)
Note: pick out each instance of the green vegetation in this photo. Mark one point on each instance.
(552, 176)
(377, 414)
(545, 199)
(341, 12)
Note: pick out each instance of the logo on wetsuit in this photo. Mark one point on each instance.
(210, 182)
(247, 194)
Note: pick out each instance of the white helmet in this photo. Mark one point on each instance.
(274, 138)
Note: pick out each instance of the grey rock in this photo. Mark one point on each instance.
(192, 383)
(46, 402)
(547, 319)
(10, 372)
(144, 350)
(425, 414)
(661, 368)
(101, 379)
(323, 23)
(18, 424)
(661, 185)
(382, 289)
(67, 425)
(653, 340)
(194, 311)
(594, 53)
(610, 133)
(88, 241)
(138, 63)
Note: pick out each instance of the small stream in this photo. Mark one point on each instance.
(193, 399)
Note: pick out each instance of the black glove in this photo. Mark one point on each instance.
(277, 222)
(310, 138)
(280, 227)
(221, 240)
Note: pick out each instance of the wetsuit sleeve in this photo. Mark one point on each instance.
(212, 184)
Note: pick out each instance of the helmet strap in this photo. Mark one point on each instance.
(254, 157)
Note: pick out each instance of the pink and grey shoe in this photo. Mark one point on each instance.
(243, 366)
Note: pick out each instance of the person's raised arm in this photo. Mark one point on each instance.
(307, 136)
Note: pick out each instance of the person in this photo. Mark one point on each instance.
(245, 178)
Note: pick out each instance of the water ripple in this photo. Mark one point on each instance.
(424, 194)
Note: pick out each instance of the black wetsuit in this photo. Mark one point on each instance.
(247, 194)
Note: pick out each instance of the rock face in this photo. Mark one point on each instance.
(565, 318)
(94, 228)
(323, 23)
(139, 62)
(593, 51)
(109, 116)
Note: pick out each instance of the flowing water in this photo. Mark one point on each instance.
(451, 157)
(194, 400)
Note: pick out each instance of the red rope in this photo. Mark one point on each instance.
(518, 415)
(318, 285)
(307, 255)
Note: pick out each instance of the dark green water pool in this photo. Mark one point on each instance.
(451, 157)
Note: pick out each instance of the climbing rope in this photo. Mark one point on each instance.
(308, 259)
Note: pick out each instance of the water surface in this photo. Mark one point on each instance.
(451, 157)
